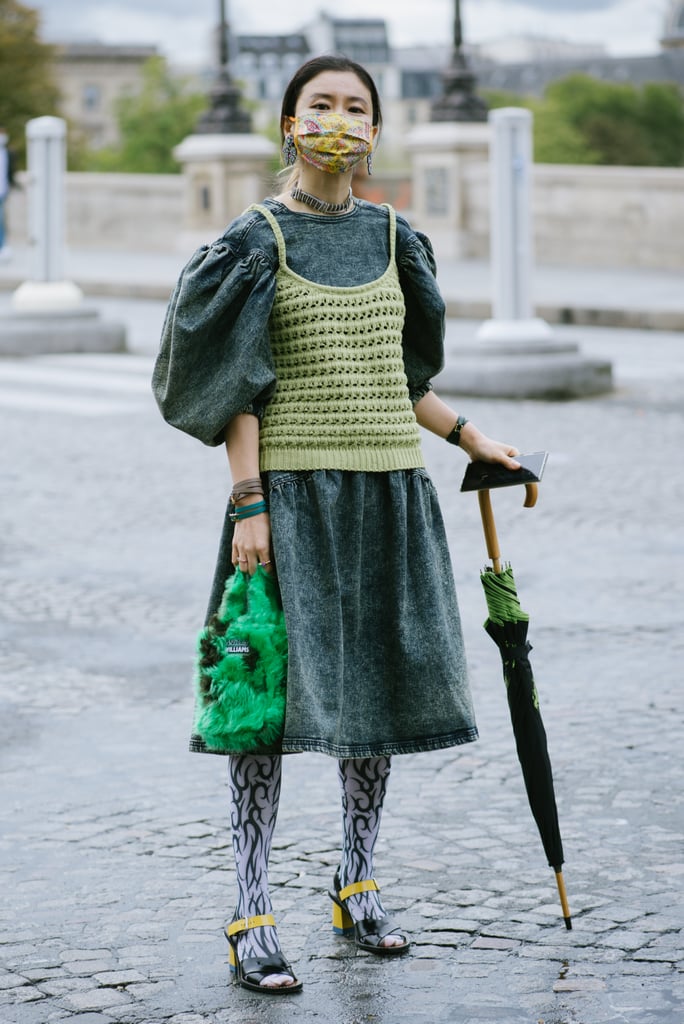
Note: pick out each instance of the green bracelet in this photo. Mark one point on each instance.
(247, 511)
(455, 436)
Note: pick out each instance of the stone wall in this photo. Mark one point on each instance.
(113, 211)
(602, 216)
(610, 216)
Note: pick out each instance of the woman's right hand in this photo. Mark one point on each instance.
(252, 543)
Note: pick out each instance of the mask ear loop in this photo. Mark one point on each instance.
(369, 157)
(289, 150)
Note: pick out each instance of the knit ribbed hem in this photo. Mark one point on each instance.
(360, 460)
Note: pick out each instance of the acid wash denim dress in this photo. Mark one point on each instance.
(376, 658)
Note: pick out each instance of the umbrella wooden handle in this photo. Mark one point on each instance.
(489, 527)
(531, 492)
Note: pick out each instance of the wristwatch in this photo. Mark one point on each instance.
(455, 436)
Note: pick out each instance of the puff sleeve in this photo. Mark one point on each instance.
(214, 359)
(423, 337)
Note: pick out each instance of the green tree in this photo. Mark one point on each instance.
(662, 115)
(150, 123)
(555, 139)
(27, 85)
(583, 120)
(622, 123)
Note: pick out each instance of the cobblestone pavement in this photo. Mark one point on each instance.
(115, 863)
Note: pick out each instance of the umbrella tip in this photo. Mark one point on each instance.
(568, 923)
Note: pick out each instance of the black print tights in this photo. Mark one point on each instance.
(255, 790)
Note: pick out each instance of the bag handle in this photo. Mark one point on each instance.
(241, 590)
(234, 600)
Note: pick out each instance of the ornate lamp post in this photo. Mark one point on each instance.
(224, 116)
(458, 101)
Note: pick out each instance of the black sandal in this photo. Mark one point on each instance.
(250, 972)
(369, 933)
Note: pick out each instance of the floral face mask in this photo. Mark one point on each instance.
(332, 142)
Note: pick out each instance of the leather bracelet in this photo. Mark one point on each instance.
(243, 488)
(455, 436)
(247, 511)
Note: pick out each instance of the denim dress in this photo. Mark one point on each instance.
(376, 663)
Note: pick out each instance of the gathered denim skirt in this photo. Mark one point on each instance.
(376, 663)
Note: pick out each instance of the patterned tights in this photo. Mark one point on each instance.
(255, 790)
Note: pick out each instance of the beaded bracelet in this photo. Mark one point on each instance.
(454, 437)
(247, 511)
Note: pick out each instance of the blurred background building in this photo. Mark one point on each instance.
(91, 75)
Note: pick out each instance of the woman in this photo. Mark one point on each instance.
(305, 339)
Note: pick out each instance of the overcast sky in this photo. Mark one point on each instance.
(180, 28)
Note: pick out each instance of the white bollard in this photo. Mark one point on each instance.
(511, 230)
(47, 290)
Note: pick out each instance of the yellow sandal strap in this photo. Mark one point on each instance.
(370, 885)
(245, 924)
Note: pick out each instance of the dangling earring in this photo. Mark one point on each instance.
(369, 162)
(289, 150)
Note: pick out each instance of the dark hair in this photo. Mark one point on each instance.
(316, 66)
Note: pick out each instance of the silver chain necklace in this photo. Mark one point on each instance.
(319, 204)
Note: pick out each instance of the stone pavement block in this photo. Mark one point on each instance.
(186, 1018)
(626, 940)
(27, 994)
(579, 985)
(94, 1018)
(491, 942)
(96, 999)
(119, 978)
(87, 968)
(64, 985)
(8, 981)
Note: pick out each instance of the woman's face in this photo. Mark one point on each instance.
(335, 92)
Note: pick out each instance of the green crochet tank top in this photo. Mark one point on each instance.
(341, 399)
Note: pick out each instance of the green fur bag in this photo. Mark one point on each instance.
(241, 668)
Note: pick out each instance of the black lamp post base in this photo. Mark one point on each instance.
(459, 102)
(224, 116)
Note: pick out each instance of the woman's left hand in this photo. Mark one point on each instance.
(482, 448)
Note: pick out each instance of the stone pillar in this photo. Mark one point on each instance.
(47, 289)
(47, 312)
(441, 153)
(511, 242)
(515, 354)
(223, 174)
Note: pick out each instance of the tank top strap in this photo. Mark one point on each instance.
(392, 230)
(282, 252)
(275, 227)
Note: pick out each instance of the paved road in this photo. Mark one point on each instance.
(115, 864)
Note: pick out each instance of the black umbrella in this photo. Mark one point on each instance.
(507, 624)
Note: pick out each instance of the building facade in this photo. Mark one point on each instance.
(91, 78)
